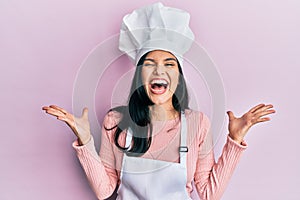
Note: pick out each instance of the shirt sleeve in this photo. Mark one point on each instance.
(100, 172)
(211, 178)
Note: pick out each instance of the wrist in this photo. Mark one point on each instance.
(238, 140)
(85, 140)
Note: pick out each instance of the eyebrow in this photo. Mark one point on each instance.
(170, 59)
(167, 59)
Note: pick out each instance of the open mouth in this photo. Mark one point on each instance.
(158, 86)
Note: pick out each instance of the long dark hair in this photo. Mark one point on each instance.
(136, 115)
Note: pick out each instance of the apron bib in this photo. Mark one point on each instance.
(148, 179)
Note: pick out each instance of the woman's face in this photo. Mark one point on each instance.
(160, 75)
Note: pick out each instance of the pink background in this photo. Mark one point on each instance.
(255, 45)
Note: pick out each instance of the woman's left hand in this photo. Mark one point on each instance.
(238, 127)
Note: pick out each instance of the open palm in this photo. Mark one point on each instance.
(238, 127)
(79, 125)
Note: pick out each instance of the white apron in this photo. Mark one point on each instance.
(148, 179)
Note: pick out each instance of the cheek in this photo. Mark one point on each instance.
(144, 75)
(175, 79)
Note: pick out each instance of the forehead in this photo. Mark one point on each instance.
(160, 55)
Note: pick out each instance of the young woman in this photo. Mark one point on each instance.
(155, 146)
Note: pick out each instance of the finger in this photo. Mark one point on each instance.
(51, 109)
(62, 118)
(59, 108)
(256, 107)
(263, 113)
(266, 107)
(264, 119)
(45, 107)
(54, 112)
(230, 115)
(85, 112)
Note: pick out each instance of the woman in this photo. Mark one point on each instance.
(155, 147)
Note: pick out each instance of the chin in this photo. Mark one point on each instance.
(161, 99)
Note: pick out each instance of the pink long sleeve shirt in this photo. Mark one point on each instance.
(210, 178)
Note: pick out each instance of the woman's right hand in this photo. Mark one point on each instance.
(80, 126)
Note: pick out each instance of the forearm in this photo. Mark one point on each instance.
(211, 179)
(102, 179)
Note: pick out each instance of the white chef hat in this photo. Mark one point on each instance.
(155, 27)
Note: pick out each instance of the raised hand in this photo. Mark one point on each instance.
(238, 127)
(80, 126)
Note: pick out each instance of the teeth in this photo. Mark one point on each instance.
(159, 81)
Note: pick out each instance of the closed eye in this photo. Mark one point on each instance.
(170, 64)
(149, 64)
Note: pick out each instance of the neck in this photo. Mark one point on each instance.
(161, 113)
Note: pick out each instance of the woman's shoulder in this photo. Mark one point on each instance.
(198, 117)
(113, 117)
(198, 123)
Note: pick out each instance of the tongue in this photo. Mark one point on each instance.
(158, 88)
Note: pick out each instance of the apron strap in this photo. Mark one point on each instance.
(183, 149)
(128, 138)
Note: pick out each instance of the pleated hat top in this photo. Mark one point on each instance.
(155, 27)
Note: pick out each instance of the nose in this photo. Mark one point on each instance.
(159, 69)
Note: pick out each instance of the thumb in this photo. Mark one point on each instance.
(85, 112)
(230, 115)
